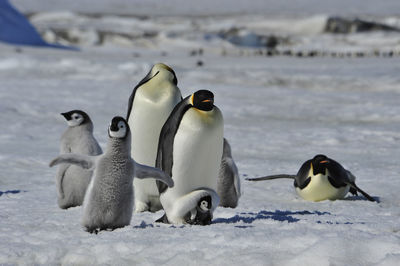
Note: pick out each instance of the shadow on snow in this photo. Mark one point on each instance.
(281, 216)
(10, 192)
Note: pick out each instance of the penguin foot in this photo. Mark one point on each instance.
(93, 230)
(163, 219)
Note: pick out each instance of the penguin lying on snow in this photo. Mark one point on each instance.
(72, 181)
(108, 203)
(321, 178)
(150, 104)
(190, 151)
(228, 187)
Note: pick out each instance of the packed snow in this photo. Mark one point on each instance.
(278, 112)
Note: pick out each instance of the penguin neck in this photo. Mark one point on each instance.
(163, 77)
(119, 147)
(87, 126)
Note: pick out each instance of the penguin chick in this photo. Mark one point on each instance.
(322, 178)
(150, 104)
(72, 181)
(108, 203)
(228, 186)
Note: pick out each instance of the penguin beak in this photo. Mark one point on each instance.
(207, 101)
(113, 127)
(326, 161)
(66, 116)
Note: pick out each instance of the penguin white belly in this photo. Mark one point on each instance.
(197, 152)
(148, 116)
(320, 189)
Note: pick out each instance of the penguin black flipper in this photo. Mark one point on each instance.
(302, 178)
(271, 177)
(164, 160)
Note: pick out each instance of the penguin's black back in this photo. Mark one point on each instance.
(165, 160)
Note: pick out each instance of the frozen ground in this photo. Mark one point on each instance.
(278, 111)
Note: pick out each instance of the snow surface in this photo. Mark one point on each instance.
(278, 112)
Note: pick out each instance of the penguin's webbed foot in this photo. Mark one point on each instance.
(93, 230)
(353, 191)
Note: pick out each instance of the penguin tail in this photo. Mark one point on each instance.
(271, 177)
(355, 188)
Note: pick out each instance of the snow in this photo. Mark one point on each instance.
(278, 112)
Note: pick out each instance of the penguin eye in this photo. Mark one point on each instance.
(121, 125)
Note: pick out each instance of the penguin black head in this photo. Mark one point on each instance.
(203, 215)
(76, 117)
(205, 204)
(320, 163)
(119, 128)
(203, 100)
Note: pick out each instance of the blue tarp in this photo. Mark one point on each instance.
(16, 29)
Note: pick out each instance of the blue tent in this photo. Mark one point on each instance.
(16, 29)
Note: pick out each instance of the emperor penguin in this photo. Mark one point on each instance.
(228, 186)
(150, 104)
(190, 151)
(72, 181)
(108, 202)
(322, 178)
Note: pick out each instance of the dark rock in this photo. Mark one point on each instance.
(287, 53)
(343, 25)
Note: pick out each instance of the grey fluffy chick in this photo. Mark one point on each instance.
(72, 181)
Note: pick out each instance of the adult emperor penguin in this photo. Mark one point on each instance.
(322, 178)
(72, 181)
(190, 151)
(228, 188)
(108, 202)
(150, 104)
